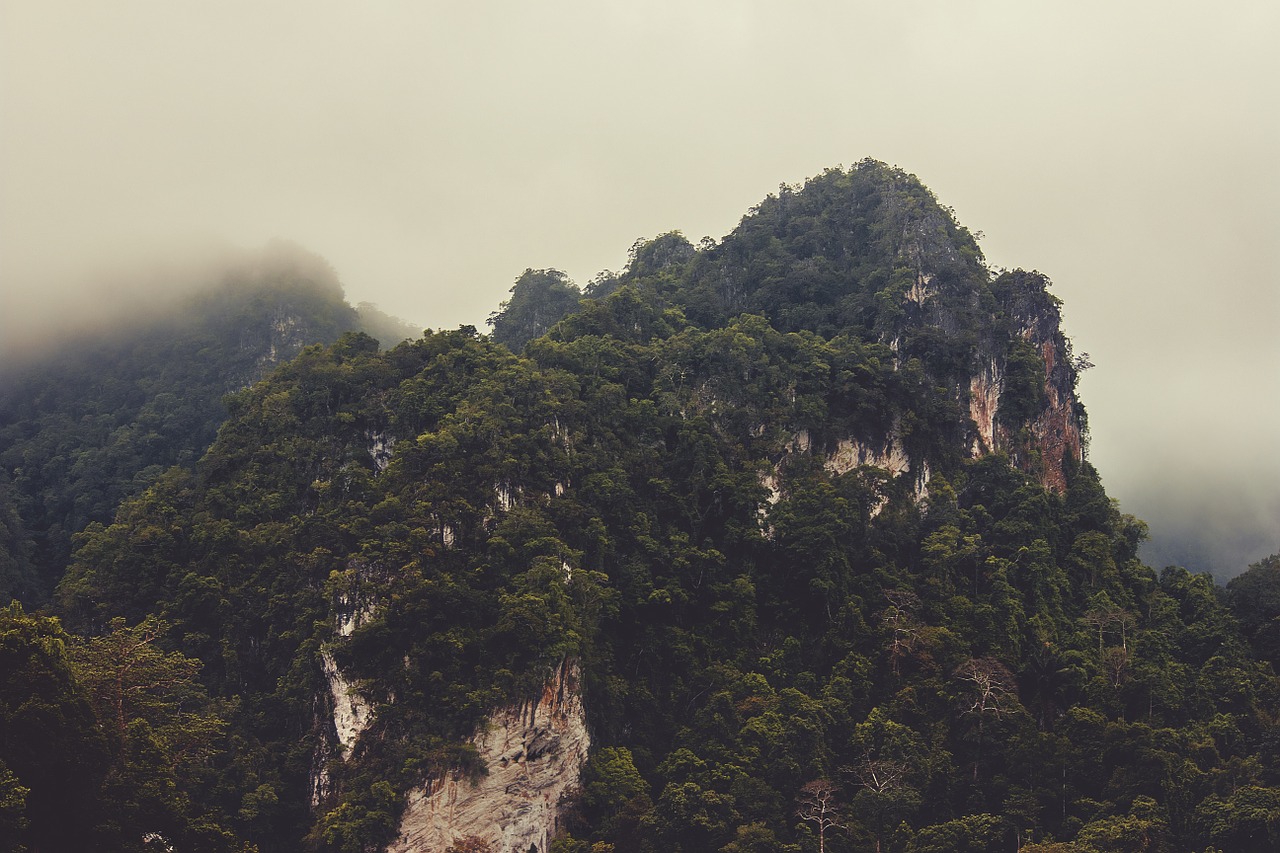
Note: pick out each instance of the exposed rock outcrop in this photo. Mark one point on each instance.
(1026, 310)
(984, 401)
(350, 711)
(851, 453)
(533, 753)
(381, 447)
(1057, 430)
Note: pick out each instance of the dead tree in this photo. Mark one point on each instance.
(818, 806)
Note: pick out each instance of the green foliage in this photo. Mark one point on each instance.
(603, 498)
(103, 743)
(388, 330)
(1143, 828)
(98, 419)
(356, 826)
(54, 753)
(539, 299)
(16, 571)
(734, 484)
(1254, 597)
(968, 834)
(1247, 820)
(1023, 395)
(13, 806)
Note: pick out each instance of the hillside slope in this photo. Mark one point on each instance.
(88, 421)
(802, 513)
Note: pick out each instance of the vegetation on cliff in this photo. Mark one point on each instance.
(744, 485)
(96, 419)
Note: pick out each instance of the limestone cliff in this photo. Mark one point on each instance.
(345, 707)
(1023, 310)
(533, 754)
(984, 401)
(1055, 432)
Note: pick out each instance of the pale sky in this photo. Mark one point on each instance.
(431, 151)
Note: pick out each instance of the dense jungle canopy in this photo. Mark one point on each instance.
(750, 486)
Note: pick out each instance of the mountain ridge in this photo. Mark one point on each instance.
(868, 252)
(807, 509)
(91, 420)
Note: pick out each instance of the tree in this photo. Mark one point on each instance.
(614, 794)
(818, 806)
(1050, 677)
(95, 419)
(891, 756)
(365, 823)
(52, 753)
(1144, 828)
(991, 688)
(906, 631)
(13, 803)
(1247, 821)
(131, 679)
(539, 299)
(162, 728)
(755, 838)
(1105, 617)
(988, 690)
(16, 575)
(1254, 597)
(974, 833)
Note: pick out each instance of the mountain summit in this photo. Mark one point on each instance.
(867, 254)
(782, 543)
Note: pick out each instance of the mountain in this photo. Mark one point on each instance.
(868, 254)
(781, 543)
(88, 421)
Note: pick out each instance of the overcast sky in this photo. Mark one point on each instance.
(433, 150)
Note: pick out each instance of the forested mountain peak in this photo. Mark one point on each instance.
(840, 252)
(90, 419)
(867, 254)
(780, 544)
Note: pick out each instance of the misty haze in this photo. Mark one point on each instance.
(430, 156)
(592, 426)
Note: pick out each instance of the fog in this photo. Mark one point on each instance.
(432, 151)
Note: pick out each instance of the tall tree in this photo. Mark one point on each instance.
(162, 729)
(818, 805)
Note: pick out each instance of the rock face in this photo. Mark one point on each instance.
(381, 447)
(533, 753)
(1057, 430)
(1016, 304)
(1027, 311)
(851, 453)
(984, 402)
(351, 711)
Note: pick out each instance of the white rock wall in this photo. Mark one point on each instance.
(351, 712)
(984, 402)
(921, 289)
(381, 447)
(534, 753)
(851, 453)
